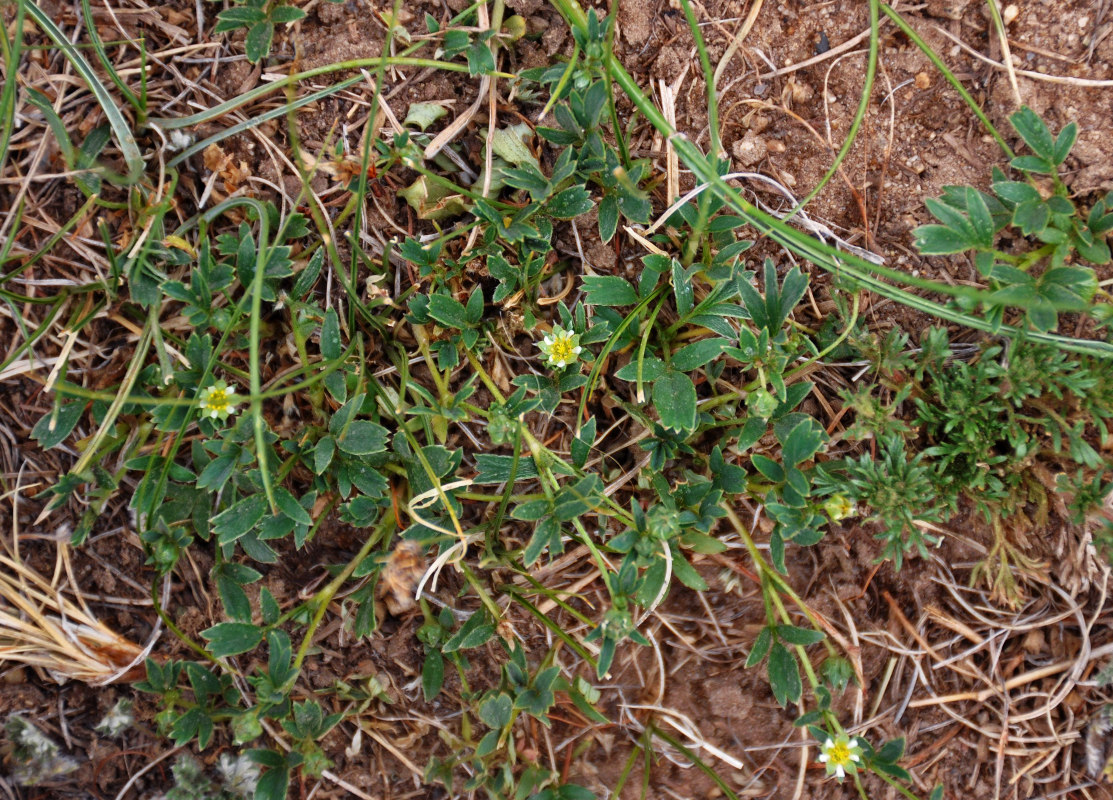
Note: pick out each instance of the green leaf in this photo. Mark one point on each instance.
(608, 217)
(1031, 216)
(290, 507)
(308, 276)
(496, 711)
(652, 369)
(268, 606)
(581, 444)
(803, 441)
(331, 348)
(557, 136)
(939, 240)
(279, 657)
(1016, 191)
(784, 675)
(450, 313)
(769, 468)
(257, 44)
(363, 438)
(578, 498)
(286, 14)
(892, 751)
(545, 535)
(1057, 204)
(473, 312)
(570, 203)
(274, 784)
(760, 649)
(1032, 164)
(238, 17)
(609, 290)
(480, 60)
(239, 518)
(800, 636)
(697, 354)
(422, 115)
(837, 672)
(533, 510)
(652, 582)
(1034, 133)
(323, 453)
(674, 397)
(530, 178)
(53, 428)
(473, 633)
(700, 542)
(682, 288)
(980, 218)
(1096, 252)
(494, 468)
(432, 675)
(777, 551)
(236, 604)
(900, 773)
(509, 143)
(232, 638)
(686, 573)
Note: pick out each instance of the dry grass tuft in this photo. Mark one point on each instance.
(44, 627)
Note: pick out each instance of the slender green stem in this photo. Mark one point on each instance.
(704, 208)
(908, 31)
(859, 115)
(183, 637)
(262, 256)
(322, 599)
(695, 759)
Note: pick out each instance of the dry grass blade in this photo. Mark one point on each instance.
(41, 627)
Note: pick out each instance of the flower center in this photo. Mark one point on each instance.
(839, 753)
(562, 349)
(217, 400)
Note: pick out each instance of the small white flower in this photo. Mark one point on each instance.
(560, 347)
(841, 755)
(217, 401)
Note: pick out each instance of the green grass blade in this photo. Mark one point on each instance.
(129, 148)
(209, 114)
(98, 48)
(11, 52)
(952, 79)
(274, 113)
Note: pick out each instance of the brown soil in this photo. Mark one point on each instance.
(918, 137)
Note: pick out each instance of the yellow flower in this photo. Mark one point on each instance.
(217, 400)
(839, 507)
(561, 347)
(841, 755)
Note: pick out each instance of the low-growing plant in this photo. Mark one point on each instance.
(399, 417)
(1027, 235)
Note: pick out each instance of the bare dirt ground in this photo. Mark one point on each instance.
(993, 701)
